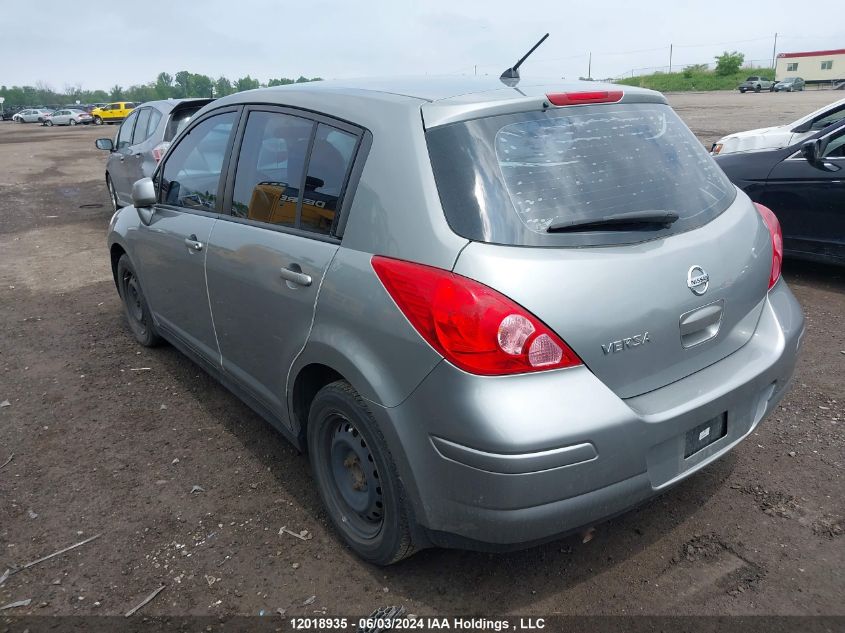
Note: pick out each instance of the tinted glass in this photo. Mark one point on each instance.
(327, 168)
(124, 135)
(270, 166)
(155, 117)
(191, 175)
(506, 179)
(140, 134)
(835, 146)
(178, 120)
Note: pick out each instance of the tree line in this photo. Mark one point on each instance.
(166, 86)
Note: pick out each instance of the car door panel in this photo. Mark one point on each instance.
(263, 318)
(809, 201)
(173, 271)
(172, 249)
(264, 272)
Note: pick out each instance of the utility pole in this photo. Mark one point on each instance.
(475, 69)
(774, 50)
(670, 58)
(590, 66)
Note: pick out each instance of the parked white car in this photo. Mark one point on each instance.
(782, 135)
(32, 115)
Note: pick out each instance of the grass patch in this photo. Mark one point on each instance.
(684, 81)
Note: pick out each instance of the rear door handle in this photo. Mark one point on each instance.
(295, 276)
(192, 243)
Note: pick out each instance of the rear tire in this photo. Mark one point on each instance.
(48, 123)
(756, 88)
(742, 91)
(357, 477)
(72, 122)
(135, 304)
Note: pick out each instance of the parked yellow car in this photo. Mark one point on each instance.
(112, 112)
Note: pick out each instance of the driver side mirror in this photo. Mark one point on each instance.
(143, 199)
(810, 150)
(105, 144)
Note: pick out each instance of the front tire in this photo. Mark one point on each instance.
(135, 304)
(48, 123)
(742, 91)
(357, 477)
(98, 120)
(115, 203)
(756, 88)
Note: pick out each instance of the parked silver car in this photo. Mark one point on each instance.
(491, 315)
(141, 141)
(67, 117)
(30, 116)
(790, 84)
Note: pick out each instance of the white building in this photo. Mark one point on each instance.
(812, 66)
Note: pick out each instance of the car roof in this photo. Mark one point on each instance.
(443, 99)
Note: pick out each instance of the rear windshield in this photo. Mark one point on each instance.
(507, 179)
(178, 120)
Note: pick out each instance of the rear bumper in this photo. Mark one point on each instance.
(508, 461)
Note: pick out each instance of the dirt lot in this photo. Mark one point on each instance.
(109, 438)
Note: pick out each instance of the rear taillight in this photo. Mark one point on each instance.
(772, 223)
(583, 98)
(474, 327)
(159, 150)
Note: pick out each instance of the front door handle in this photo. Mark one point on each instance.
(296, 276)
(192, 243)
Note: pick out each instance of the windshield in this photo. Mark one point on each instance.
(507, 179)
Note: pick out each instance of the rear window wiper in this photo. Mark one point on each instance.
(616, 222)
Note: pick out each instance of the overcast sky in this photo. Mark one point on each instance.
(130, 42)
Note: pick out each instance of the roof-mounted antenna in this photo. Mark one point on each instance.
(511, 75)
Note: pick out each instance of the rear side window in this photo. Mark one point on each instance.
(140, 134)
(507, 179)
(270, 166)
(191, 176)
(328, 166)
(155, 117)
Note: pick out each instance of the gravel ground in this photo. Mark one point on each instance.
(109, 438)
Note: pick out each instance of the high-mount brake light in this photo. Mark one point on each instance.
(584, 98)
(473, 326)
(773, 225)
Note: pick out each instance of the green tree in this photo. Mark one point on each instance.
(116, 93)
(200, 86)
(164, 86)
(223, 87)
(729, 63)
(246, 83)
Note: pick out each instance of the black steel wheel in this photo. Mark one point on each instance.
(135, 305)
(357, 477)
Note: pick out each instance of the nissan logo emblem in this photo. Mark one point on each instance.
(697, 280)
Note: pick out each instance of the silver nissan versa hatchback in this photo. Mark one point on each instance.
(490, 315)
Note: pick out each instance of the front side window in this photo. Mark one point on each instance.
(512, 179)
(270, 167)
(124, 135)
(827, 65)
(191, 176)
(330, 160)
(792, 67)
